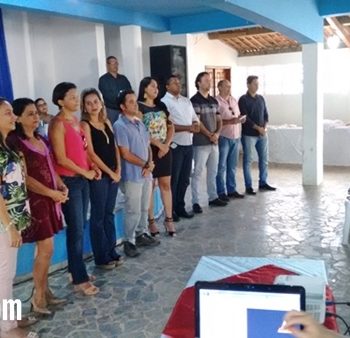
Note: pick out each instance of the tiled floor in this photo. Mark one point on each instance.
(136, 299)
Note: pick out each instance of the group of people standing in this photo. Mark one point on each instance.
(55, 165)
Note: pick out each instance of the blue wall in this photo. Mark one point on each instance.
(26, 252)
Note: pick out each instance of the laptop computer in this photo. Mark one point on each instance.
(315, 289)
(229, 310)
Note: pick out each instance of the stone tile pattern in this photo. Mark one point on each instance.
(137, 298)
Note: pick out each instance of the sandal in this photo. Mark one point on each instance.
(51, 299)
(89, 290)
(153, 227)
(169, 227)
(27, 321)
(92, 278)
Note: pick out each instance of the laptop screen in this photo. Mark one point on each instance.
(244, 311)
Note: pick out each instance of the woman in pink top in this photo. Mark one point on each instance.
(72, 164)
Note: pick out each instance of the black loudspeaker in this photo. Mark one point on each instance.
(169, 60)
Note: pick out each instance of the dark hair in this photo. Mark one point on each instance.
(19, 105)
(199, 78)
(38, 99)
(122, 96)
(102, 116)
(173, 76)
(10, 148)
(60, 91)
(2, 141)
(145, 82)
(251, 78)
(110, 58)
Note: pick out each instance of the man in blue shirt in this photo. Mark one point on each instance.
(254, 134)
(110, 85)
(133, 141)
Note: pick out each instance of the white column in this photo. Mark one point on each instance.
(100, 49)
(312, 114)
(131, 50)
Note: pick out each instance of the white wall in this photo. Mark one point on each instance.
(287, 109)
(203, 52)
(45, 50)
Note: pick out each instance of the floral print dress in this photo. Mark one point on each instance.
(13, 189)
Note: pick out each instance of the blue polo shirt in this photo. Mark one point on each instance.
(134, 136)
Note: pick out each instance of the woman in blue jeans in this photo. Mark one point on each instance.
(72, 164)
(103, 193)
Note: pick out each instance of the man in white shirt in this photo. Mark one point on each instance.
(186, 123)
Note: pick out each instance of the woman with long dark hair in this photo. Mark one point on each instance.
(72, 164)
(155, 116)
(14, 217)
(46, 193)
(104, 153)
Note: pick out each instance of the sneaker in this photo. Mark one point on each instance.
(250, 191)
(266, 187)
(235, 194)
(224, 198)
(146, 240)
(217, 203)
(130, 250)
(197, 208)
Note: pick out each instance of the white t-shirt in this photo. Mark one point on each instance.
(181, 112)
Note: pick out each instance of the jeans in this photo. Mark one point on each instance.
(261, 146)
(103, 195)
(8, 261)
(180, 177)
(205, 156)
(137, 200)
(228, 159)
(112, 114)
(74, 211)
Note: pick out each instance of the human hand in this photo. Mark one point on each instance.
(163, 150)
(242, 119)
(15, 237)
(311, 328)
(195, 127)
(89, 174)
(115, 176)
(58, 196)
(214, 138)
(98, 173)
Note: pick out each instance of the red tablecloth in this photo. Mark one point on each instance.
(182, 320)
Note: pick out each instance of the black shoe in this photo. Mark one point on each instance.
(146, 240)
(267, 187)
(184, 214)
(130, 250)
(250, 191)
(197, 208)
(176, 217)
(235, 194)
(217, 203)
(224, 198)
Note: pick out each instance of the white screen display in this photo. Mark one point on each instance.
(244, 314)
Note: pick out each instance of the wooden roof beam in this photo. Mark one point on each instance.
(239, 33)
(340, 30)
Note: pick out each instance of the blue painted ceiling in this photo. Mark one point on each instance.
(301, 20)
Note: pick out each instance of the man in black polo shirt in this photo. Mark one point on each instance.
(254, 134)
(110, 85)
(205, 143)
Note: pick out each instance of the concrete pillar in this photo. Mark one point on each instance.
(312, 105)
(100, 49)
(131, 50)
